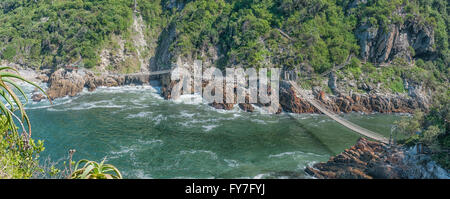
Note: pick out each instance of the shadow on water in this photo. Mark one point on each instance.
(312, 135)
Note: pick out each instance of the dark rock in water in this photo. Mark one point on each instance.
(366, 160)
(137, 79)
(37, 97)
(246, 107)
(226, 106)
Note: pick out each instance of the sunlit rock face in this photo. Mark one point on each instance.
(409, 40)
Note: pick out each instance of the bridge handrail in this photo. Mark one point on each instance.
(342, 121)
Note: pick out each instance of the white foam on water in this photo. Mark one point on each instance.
(186, 114)
(261, 176)
(159, 118)
(140, 174)
(258, 121)
(236, 115)
(209, 127)
(210, 153)
(133, 148)
(260, 110)
(232, 163)
(150, 142)
(123, 150)
(189, 99)
(66, 100)
(140, 115)
(91, 105)
(294, 154)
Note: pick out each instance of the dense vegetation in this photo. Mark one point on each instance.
(55, 33)
(313, 35)
(431, 129)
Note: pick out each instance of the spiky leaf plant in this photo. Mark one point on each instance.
(7, 74)
(94, 170)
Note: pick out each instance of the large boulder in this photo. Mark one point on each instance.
(65, 83)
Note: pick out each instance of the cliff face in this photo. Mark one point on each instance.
(127, 53)
(382, 103)
(409, 40)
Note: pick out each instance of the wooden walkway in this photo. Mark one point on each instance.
(337, 118)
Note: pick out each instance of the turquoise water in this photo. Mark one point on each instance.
(148, 137)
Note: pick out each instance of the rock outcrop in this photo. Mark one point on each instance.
(64, 82)
(290, 102)
(374, 160)
(37, 97)
(366, 160)
(168, 86)
(409, 40)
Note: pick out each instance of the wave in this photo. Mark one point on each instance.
(209, 127)
(110, 103)
(209, 153)
(294, 153)
(140, 115)
(232, 163)
(195, 99)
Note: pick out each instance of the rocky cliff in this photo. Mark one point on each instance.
(408, 40)
(367, 103)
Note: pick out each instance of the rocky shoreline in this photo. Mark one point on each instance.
(366, 160)
(65, 82)
(70, 82)
(374, 160)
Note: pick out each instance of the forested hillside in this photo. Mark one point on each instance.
(56, 33)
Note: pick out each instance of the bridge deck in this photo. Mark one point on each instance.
(337, 118)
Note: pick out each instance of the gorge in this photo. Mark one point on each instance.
(374, 63)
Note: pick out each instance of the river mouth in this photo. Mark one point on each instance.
(146, 136)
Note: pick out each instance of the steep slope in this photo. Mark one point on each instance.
(399, 46)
